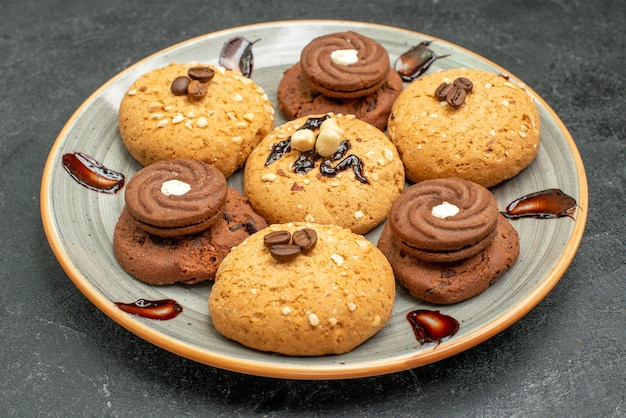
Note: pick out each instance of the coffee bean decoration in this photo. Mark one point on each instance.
(454, 94)
(285, 247)
(464, 83)
(285, 252)
(276, 238)
(179, 85)
(305, 239)
(202, 74)
(442, 91)
(196, 89)
(456, 97)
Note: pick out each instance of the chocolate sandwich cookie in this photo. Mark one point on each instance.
(187, 258)
(444, 220)
(447, 283)
(344, 73)
(344, 65)
(176, 197)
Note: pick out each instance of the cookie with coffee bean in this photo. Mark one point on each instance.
(343, 72)
(327, 169)
(331, 296)
(179, 222)
(194, 111)
(466, 123)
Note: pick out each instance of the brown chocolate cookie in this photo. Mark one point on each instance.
(176, 197)
(344, 65)
(444, 220)
(189, 258)
(447, 283)
(296, 98)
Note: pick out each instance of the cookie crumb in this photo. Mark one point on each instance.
(337, 259)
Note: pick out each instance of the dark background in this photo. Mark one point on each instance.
(62, 357)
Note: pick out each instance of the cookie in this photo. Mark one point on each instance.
(176, 197)
(448, 283)
(487, 135)
(328, 300)
(317, 84)
(354, 187)
(157, 120)
(188, 258)
(344, 65)
(444, 220)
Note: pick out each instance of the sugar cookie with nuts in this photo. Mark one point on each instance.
(485, 132)
(327, 299)
(327, 169)
(194, 111)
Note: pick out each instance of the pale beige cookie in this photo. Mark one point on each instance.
(358, 198)
(492, 136)
(325, 301)
(220, 128)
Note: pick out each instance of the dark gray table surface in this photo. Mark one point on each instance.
(62, 357)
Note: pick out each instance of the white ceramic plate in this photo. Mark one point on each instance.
(79, 222)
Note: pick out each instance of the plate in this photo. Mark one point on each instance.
(79, 222)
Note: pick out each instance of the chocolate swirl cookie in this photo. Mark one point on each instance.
(345, 65)
(176, 197)
(444, 220)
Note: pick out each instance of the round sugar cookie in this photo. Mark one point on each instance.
(328, 300)
(295, 185)
(220, 128)
(492, 136)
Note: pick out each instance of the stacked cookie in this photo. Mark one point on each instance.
(179, 222)
(447, 241)
(343, 73)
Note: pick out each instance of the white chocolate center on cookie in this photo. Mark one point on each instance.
(174, 187)
(344, 56)
(444, 210)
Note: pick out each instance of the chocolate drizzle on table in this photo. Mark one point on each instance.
(91, 173)
(306, 161)
(546, 204)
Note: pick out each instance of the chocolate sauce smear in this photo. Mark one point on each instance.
(281, 148)
(306, 161)
(153, 309)
(92, 174)
(236, 54)
(416, 61)
(546, 204)
(432, 326)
